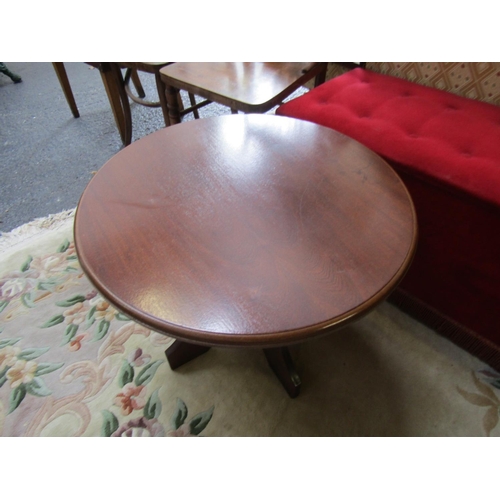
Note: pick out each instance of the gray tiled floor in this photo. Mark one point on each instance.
(46, 156)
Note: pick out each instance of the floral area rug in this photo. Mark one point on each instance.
(72, 365)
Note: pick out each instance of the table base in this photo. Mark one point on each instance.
(279, 359)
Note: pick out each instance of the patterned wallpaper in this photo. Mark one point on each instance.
(476, 80)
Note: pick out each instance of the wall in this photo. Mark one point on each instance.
(476, 80)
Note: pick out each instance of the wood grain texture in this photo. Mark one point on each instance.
(62, 76)
(251, 87)
(250, 230)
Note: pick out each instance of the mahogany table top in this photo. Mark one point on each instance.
(245, 230)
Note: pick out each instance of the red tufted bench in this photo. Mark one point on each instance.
(446, 148)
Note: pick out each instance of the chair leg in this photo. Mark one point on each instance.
(172, 96)
(115, 88)
(133, 74)
(321, 76)
(192, 100)
(66, 87)
(180, 102)
(137, 84)
(163, 99)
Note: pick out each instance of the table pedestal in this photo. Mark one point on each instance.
(279, 359)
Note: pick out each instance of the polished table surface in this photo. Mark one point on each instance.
(250, 87)
(245, 230)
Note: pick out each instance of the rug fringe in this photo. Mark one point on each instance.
(33, 228)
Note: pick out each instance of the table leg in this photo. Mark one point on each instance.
(281, 363)
(163, 98)
(66, 87)
(321, 76)
(118, 99)
(172, 95)
(180, 353)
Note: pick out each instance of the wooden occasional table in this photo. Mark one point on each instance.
(245, 231)
(250, 87)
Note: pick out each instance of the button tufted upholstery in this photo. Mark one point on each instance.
(446, 149)
(442, 136)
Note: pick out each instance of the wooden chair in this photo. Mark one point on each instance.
(131, 73)
(114, 86)
(118, 91)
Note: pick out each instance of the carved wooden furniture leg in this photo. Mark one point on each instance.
(181, 352)
(172, 95)
(113, 83)
(321, 76)
(66, 87)
(192, 100)
(137, 84)
(163, 98)
(280, 361)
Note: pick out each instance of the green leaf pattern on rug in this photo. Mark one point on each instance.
(36, 279)
(55, 320)
(147, 373)
(39, 278)
(131, 399)
(132, 396)
(83, 313)
(79, 318)
(64, 246)
(126, 374)
(148, 424)
(71, 302)
(69, 334)
(28, 301)
(30, 354)
(192, 428)
(180, 414)
(143, 410)
(110, 423)
(26, 264)
(17, 366)
(152, 409)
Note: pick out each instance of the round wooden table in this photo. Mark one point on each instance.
(245, 231)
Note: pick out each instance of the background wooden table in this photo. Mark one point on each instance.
(250, 87)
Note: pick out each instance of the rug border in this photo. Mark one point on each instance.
(34, 228)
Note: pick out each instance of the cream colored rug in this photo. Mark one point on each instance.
(71, 365)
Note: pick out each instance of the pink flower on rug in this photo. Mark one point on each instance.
(131, 398)
(8, 356)
(23, 372)
(137, 358)
(104, 311)
(17, 283)
(140, 427)
(49, 264)
(183, 431)
(76, 314)
(76, 343)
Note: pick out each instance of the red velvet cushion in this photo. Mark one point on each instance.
(438, 135)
